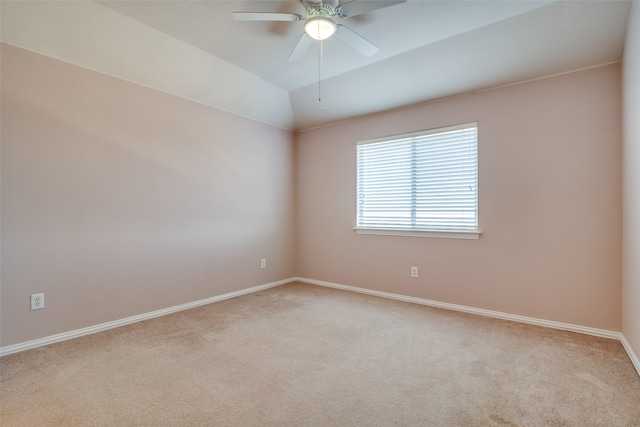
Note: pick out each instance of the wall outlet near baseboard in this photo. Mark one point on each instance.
(37, 301)
(263, 263)
(414, 272)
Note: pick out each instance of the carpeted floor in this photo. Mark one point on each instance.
(303, 355)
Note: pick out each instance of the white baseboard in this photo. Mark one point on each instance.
(634, 358)
(478, 311)
(489, 313)
(133, 319)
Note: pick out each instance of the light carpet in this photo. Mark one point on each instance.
(303, 355)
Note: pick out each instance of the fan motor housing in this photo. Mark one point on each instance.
(322, 9)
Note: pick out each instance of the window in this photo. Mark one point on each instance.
(423, 183)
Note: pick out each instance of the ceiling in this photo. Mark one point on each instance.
(428, 49)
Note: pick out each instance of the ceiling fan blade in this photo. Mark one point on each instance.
(356, 41)
(301, 48)
(265, 16)
(356, 7)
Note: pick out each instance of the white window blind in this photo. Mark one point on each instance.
(424, 181)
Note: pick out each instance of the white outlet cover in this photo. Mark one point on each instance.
(37, 301)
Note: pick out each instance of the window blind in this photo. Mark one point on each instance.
(424, 181)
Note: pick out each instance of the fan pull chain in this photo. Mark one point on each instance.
(320, 76)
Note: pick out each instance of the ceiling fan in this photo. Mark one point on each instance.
(320, 22)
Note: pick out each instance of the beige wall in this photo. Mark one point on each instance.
(119, 200)
(631, 184)
(549, 204)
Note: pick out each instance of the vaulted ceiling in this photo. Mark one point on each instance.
(427, 50)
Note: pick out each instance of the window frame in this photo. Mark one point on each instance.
(421, 232)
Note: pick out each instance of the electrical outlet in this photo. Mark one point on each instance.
(414, 271)
(37, 301)
(263, 263)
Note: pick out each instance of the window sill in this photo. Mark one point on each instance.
(473, 235)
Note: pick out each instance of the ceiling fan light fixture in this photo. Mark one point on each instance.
(320, 27)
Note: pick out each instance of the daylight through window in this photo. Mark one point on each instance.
(419, 183)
